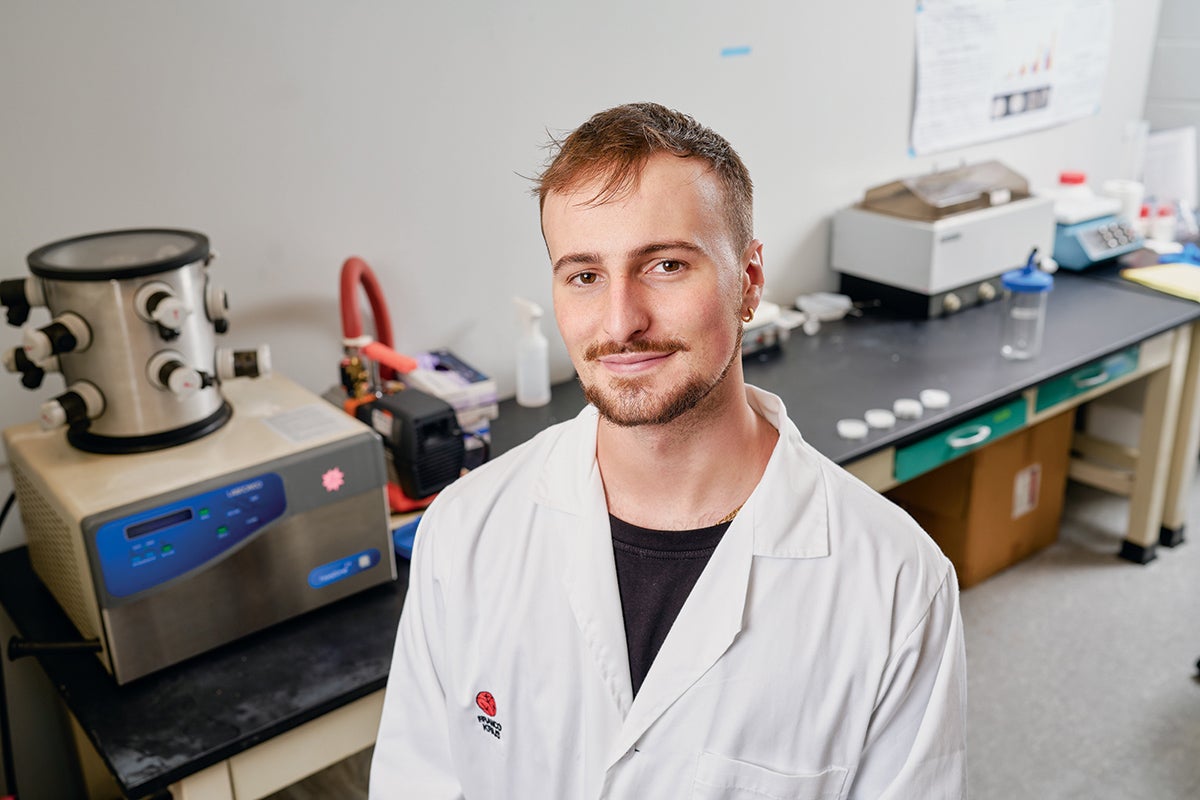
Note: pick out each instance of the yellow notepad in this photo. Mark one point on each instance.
(1181, 280)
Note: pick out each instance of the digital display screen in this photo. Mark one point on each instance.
(158, 523)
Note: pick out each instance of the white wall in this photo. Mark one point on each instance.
(1173, 96)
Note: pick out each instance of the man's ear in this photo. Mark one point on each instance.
(753, 277)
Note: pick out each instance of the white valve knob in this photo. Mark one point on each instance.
(168, 370)
(184, 381)
(36, 344)
(157, 302)
(52, 415)
(170, 313)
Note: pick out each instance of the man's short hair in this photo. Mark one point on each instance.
(614, 145)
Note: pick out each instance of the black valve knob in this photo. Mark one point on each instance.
(76, 407)
(66, 333)
(31, 373)
(12, 296)
(167, 334)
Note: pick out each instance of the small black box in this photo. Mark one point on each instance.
(424, 437)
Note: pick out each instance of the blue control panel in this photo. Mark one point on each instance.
(153, 546)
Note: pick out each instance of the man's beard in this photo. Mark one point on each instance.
(628, 403)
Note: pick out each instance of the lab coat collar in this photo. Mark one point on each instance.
(787, 509)
(785, 517)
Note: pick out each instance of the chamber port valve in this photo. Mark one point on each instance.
(243, 363)
(18, 295)
(32, 374)
(168, 371)
(216, 306)
(76, 407)
(66, 333)
(156, 302)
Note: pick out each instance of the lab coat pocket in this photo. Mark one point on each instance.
(720, 778)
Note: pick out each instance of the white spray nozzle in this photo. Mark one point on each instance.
(530, 312)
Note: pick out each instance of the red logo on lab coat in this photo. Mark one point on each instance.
(486, 702)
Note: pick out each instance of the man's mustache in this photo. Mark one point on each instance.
(598, 350)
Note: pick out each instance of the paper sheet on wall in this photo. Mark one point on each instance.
(987, 69)
(1169, 166)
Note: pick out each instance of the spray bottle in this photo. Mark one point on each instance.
(533, 366)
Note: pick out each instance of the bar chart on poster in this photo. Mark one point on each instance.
(989, 69)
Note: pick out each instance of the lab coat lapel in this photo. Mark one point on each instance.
(706, 626)
(570, 483)
(785, 517)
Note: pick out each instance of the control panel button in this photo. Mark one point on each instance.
(343, 568)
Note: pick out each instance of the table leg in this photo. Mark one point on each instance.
(1186, 449)
(1160, 415)
(213, 783)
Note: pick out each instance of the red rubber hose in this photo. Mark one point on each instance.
(388, 358)
(356, 272)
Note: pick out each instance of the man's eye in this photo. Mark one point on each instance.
(585, 278)
(668, 266)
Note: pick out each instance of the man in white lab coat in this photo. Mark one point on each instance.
(672, 595)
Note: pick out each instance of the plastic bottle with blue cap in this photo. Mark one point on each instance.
(1026, 292)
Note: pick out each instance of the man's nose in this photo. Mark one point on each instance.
(628, 313)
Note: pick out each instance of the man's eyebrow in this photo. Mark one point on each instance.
(576, 258)
(659, 247)
(591, 259)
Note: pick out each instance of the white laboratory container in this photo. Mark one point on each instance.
(533, 364)
(1026, 292)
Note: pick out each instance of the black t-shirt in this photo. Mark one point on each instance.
(656, 571)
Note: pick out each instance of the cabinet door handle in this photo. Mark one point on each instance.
(958, 441)
(1087, 383)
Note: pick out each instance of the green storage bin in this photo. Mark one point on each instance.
(1097, 373)
(936, 450)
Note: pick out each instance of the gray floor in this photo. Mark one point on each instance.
(1081, 667)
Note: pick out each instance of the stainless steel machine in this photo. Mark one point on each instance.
(176, 497)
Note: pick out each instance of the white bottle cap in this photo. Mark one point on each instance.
(907, 408)
(880, 418)
(852, 429)
(935, 398)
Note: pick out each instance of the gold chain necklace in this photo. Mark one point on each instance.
(729, 517)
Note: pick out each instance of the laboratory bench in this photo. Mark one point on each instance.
(255, 715)
(1100, 334)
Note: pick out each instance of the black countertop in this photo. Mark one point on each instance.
(168, 725)
(867, 362)
(165, 726)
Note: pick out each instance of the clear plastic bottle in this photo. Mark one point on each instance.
(533, 365)
(1026, 292)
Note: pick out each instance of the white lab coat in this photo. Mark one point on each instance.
(820, 654)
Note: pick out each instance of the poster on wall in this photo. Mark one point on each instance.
(988, 69)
